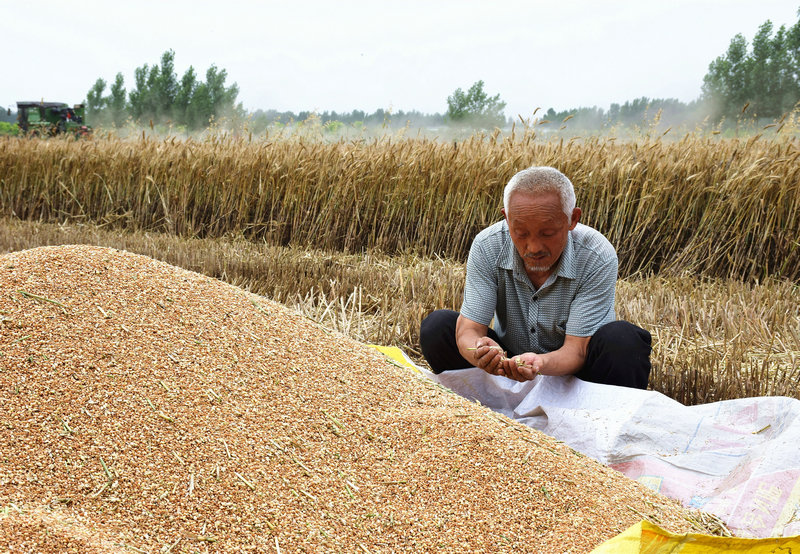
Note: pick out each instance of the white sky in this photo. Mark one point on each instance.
(404, 55)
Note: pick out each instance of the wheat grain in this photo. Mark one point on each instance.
(407, 472)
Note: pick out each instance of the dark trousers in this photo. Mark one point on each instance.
(618, 353)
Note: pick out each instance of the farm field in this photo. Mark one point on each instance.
(216, 279)
(299, 436)
(369, 236)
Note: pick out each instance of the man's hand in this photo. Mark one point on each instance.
(477, 348)
(489, 356)
(523, 367)
(566, 360)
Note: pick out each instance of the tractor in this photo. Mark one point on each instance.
(52, 118)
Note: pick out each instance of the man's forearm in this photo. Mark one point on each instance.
(467, 341)
(556, 363)
(467, 334)
(568, 359)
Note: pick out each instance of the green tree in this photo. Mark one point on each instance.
(183, 97)
(784, 82)
(95, 102)
(222, 99)
(116, 100)
(138, 95)
(152, 108)
(475, 107)
(166, 86)
(767, 78)
(727, 83)
(156, 88)
(760, 69)
(792, 72)
(200, 109)
(157, 94)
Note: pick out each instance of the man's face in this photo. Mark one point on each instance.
(539, 229)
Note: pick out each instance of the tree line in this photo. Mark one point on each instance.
(765, 75)
(158, 95)
(259, 120)
(762, 78)
(473, 108)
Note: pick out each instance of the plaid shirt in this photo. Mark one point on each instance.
(577, 298)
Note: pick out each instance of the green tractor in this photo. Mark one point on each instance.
(52, 118)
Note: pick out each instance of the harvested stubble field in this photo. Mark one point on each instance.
(148, 408)
(714, 339)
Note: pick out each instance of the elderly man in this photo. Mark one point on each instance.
(547, 283)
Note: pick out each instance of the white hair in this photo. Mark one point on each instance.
(542, 179)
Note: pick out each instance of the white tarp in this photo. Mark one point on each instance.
(737, 459)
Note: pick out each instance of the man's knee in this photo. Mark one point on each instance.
(625, 336)
(619, 354)
(437, 326)
(437, 340)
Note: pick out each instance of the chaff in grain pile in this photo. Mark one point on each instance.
(148, 408)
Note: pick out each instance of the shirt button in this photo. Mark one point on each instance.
(533, 330)
(535, 298)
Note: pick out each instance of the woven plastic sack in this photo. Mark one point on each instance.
(646, 538)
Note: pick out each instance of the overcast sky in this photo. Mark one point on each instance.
(401, 55)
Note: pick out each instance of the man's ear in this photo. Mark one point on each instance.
(576, 217)
(505, 215)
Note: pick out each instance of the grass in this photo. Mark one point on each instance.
(7, 128)
(714, 338)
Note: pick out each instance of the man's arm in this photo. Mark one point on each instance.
(476, 347)
(566, 360)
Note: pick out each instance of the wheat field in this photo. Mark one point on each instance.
(721, 208)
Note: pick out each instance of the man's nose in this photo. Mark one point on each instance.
(533, 246)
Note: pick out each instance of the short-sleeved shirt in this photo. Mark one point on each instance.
(576, 299)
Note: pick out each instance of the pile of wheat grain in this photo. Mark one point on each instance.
(147, 408)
